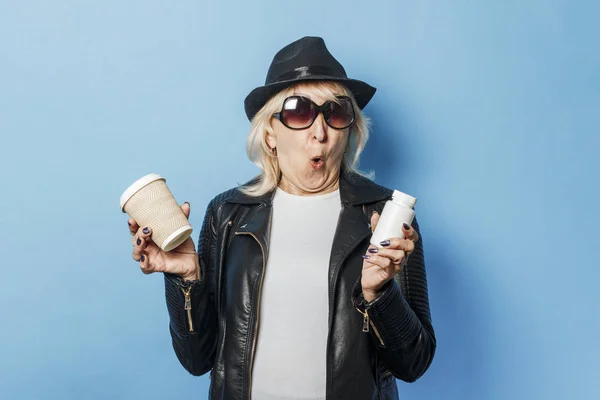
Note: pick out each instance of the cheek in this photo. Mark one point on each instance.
(290, 146)
(340, 145)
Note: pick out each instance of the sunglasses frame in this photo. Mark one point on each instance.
(320, 109)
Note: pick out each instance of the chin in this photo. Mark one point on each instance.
(311, 179)
(316, 179)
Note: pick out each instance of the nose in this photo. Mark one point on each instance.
(319, 128)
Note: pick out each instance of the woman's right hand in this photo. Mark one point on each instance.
(182, 260)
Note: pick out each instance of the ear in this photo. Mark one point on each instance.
(271, 140)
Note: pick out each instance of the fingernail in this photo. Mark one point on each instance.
(139, 241)
(146, 230)
(385, 243)
(128, 223)
(365, 256)
(407, 227)
(143, 258)
(373, 250)
(187, 203)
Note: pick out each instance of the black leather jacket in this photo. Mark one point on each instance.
(213, 322)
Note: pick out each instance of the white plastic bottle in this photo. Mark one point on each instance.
(396, 212)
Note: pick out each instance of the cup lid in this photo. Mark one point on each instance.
(137, 185)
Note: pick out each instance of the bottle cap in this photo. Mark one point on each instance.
(403, 198)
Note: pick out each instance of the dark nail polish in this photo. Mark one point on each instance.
(128, 223)
(146, 230)
(139, 241)
(373, 250)
(365, 256)
(143, 258)
(385, 243)
(407, 227)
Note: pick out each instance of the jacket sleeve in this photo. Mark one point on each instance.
(193, 322)
(400, 320)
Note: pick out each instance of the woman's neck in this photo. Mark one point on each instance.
(290, 188)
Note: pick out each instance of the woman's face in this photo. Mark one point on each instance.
(309, 159)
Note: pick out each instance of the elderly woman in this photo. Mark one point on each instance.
(285, 297)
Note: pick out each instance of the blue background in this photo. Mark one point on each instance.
(487, 112)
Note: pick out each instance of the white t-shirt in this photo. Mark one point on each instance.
(291, 348)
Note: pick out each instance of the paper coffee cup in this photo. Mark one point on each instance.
(150, 203)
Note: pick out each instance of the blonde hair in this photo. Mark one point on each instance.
(260, 153)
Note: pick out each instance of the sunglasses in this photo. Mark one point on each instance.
(299, 112)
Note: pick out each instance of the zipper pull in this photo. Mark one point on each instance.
(188, 299)
(366, 322)
(188, 307)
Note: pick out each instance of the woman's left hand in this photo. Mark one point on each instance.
(381, 264)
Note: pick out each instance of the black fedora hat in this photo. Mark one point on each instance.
(306, 59)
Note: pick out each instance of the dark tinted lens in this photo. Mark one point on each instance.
(340, 115)
(297, 112)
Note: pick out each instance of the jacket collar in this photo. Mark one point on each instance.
(354, 190)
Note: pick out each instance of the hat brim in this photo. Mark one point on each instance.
(362, 92)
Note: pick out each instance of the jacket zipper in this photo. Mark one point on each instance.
(188, 307)
(257, 319)
(386, 373)
(366, 322)
(330, 295)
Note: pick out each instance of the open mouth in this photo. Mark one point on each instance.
(317, 162)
